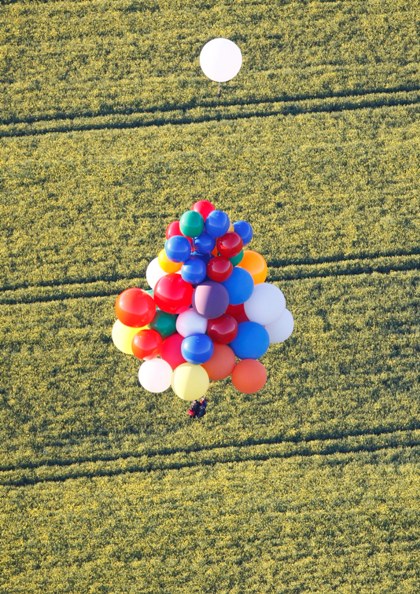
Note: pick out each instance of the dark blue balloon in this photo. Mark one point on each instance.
(178, 248)
(239, 286)
(204, 243)
(197, 348)
(204, 257)
(244, 230)
(217, 223)
(194, 270)
(251, 342)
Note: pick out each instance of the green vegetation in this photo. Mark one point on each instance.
(341, 522)
(75, 58)
(348, 369)
(109, 131)
(95, 205)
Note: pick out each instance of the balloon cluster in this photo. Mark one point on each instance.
(209, 313)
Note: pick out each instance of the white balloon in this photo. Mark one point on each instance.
(220, 59)
(265, 305)
(190, 322)
(155, 375)
(154, 272)
(282, 328)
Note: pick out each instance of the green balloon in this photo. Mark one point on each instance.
(191, 223)
(164, 323)
(236, 259)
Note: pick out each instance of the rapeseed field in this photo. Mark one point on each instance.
(108, 132)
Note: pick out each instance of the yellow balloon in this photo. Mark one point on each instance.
(190, 381)
(166, 264)
(122, 337)
(255, 264)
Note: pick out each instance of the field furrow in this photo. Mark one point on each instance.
(100, 57)
(216, 105)
(196, 116)
(302, 523)
(349, 367)
(109, 131)
(54, 471)
(315, 187)
(380, 437)
(86, 288)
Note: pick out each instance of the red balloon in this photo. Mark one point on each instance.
(170, 350)
(222, 330)
(238, 312)
(146, 344)
(134, 307)
(219, 269)
(229, 244)
(174, 229)
(172, 294)
(204, 207)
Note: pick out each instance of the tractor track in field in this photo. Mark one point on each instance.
(217, 104)
(168, 451)
(149, 9)
(182, 116)
(364, 264)
(244, 453)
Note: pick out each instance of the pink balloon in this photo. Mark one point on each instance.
(170, 350)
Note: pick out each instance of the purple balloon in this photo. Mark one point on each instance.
(210, 299)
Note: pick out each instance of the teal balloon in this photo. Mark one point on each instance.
(191, 223)
(164, 323)
(236, 259)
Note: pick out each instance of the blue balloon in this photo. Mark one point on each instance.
(204, 257)
(239, 286)
(194, 270)
(244, 230)
(217, 223)
(251, 342)
(204, 243)
(178, 248)
(197, 348)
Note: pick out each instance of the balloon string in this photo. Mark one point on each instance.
(219, 89)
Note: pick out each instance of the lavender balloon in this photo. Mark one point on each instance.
(210, 299)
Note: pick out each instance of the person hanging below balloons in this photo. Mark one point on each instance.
(203, 408)
(198, 408)
(194, 408)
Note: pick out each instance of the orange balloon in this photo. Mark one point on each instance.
(249, 376)
(166, 264)
(221, 363)
(255, 264)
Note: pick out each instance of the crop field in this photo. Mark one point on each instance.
(108, 132)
